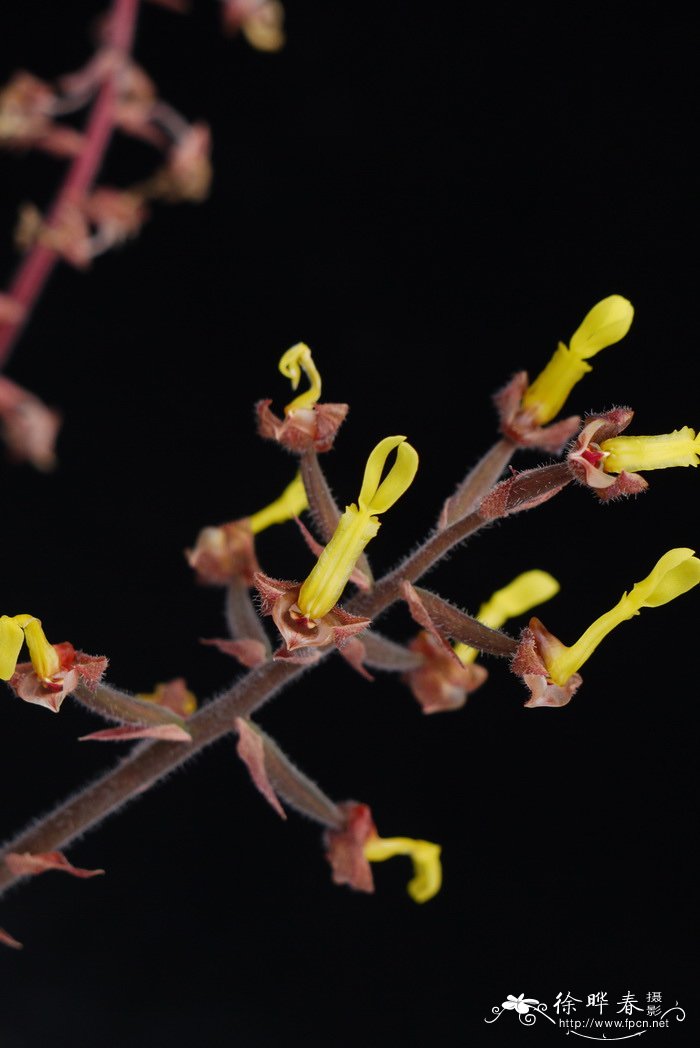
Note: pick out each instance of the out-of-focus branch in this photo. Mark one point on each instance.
(37, 265)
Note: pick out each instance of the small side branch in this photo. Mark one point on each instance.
(478, 482)
(242, 618)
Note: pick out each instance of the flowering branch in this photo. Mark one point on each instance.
(152, 760)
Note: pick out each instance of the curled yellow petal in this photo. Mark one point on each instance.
(293, 363)
(660, 451)
(523, 593)
(605, 324)
(357, 526)
(11, 640)
(43, 655)
(427, 868)
(290, 504)
(674, 574)
(376, 497)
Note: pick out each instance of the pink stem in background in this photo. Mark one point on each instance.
(38, 263)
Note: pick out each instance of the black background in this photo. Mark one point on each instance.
(430, 197)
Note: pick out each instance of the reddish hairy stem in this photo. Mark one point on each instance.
(152, 760)
(297, 789)
(37, 265)
(147, 763)
(242, 617)
(384, 654)
(478, 482)
(322, 505)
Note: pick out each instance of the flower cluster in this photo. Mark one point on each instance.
(307, 614)
(441, 664)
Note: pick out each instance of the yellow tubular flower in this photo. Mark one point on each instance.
(290, 504)
(674, 574)
(43, 655)
(633, 454)
(295, 361)
(523, 593)
(605, 324)
(426, 862)
(357, 526)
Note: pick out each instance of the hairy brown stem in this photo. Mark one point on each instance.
(241, 616)
(323, 507)
(456, 625)
(146, 764)
(152, 760)
(119, 706)
(384, 654)
(478, 482)
(297, 789)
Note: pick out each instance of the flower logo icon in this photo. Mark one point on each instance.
(520, 1004)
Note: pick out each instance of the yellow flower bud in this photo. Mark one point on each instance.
(674, 574)
(633, 454)
(357, 526)
(605, 324)
(523, 593)
(425, 855)
(290, 504)
(296, 360)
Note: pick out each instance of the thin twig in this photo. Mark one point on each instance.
(478, 482)
(242, 618)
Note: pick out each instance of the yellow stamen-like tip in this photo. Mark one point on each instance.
(293, 363)
(376, 497)
(26, 628)
(358, 525)
(522, 594)
(605, 324)
(43, 655)
(660, 451)
(11, 640)
(290, 504)
(425, 855)
(673, 575)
